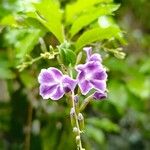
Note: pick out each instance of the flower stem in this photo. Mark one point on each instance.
(78, 137)
(86, 102)
(74, 106)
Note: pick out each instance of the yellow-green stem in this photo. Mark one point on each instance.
(77, 123)
(86, 102)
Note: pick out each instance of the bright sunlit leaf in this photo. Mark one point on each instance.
(87, 18)
(50, 15)
(97, 34)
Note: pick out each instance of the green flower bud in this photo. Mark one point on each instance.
(120, 55)
(79, 57)
(76, 100)
(81, 121)
(76, 131)
(78, 140)
(72, 117)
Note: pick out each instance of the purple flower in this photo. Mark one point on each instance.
(98, 95)
(53, 84)
(90, 56)
(91, 75)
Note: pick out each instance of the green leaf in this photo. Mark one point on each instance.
(28, 80)
(6, 73)
(34, 23)
(72, 10)
(68, 56)
(103, 123)
(50, 15)
(95, 133)
(145, 66)
(97, 34)
(8, 20)
(93, 14)
(24, 45)
(23, 40)
(140, 86)
(118, 95)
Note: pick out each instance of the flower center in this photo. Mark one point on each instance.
(66, 87)
(88, 76)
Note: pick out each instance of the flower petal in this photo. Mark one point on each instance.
(99, 85)
(56, 73)
(81, 76)
(93, 66)
(100, 75)
(47, 90)
(80, 67)
(85, 86)
(99, 95)
(45, 76)
(68, 83)
(58, 93)
(88, 51)
(95, 57)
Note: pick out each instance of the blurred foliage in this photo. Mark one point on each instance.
(120, 122)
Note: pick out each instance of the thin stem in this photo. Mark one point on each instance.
(76, 118)
(36, 59)
(86, 102)
(77, 123)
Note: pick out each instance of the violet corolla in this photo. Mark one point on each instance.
(92, 75)
(53, 84)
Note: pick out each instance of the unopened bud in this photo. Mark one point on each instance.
(81, 121)
(72, 116)
(78, 139)
(76, 100)
(51, 48)
(120, 55)
(76, 131)
(47, 55)
(72, 112)
(79, 57)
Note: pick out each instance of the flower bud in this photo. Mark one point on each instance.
(78, 140)
(76, 101)
(79, 57)
(81, 121)
(99, 95)
(76, 131)
(120, 55)
(72, 116)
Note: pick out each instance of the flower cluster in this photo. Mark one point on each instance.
(90, 76)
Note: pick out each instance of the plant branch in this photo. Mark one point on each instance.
(78, 137)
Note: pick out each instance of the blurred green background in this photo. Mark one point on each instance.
(122, 122)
